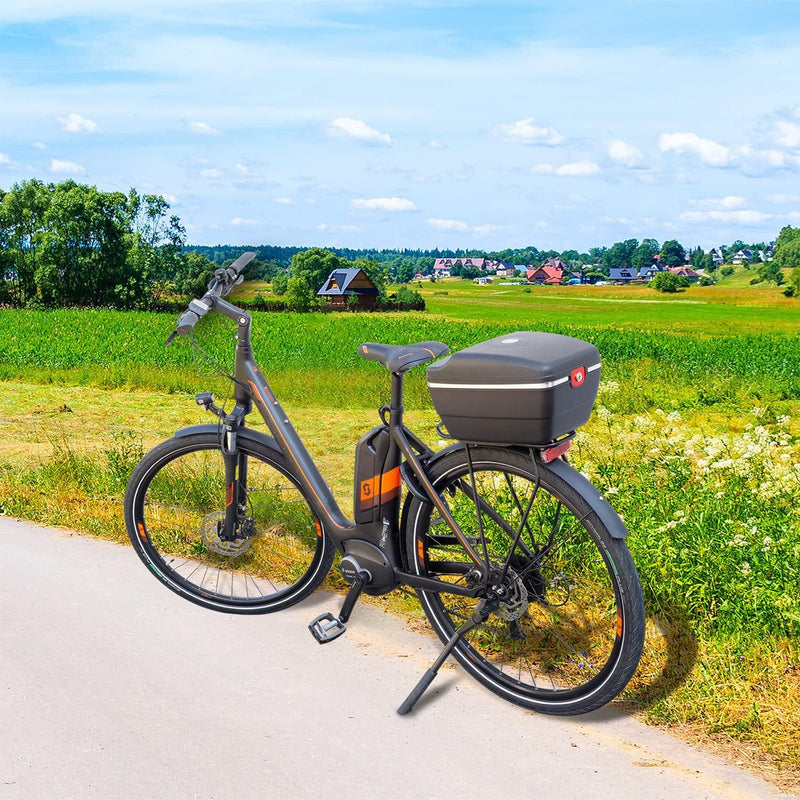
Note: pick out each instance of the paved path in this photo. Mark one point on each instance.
(113, 687)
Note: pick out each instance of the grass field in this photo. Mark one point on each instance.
(694, 439)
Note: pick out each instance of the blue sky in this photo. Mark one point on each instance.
(366, 123)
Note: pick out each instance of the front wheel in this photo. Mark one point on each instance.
(174, 511)
(567, 626)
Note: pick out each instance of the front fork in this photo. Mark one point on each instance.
(235, 466)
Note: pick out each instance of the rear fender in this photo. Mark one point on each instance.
(596, 501)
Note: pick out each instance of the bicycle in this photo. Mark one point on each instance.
(519, 563)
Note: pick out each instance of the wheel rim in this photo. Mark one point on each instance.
(557, 635)
(178, 513)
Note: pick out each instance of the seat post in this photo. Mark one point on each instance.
(396, 407)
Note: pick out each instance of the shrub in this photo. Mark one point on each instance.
(669, 282)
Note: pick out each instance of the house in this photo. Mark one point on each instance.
(483, 281)
(622, 274)
(716, 256)
(544, 275)
(685, 272)
(648, 273)
(349, 288)
(443, 267)
(740, 256)
(556, 263)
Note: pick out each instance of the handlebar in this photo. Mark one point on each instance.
(219, 286)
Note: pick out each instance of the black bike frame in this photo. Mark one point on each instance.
(251, 387)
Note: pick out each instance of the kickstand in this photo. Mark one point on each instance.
(481, 613)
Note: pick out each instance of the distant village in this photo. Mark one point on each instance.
(554, 271)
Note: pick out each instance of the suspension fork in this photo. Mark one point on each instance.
(235, 475)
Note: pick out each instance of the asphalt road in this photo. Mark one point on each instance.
(113, 687)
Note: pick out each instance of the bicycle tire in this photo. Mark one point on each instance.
(173, 504)
(569, 635)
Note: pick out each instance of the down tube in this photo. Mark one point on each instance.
(319, 493)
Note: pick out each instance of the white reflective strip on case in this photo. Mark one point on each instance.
(545, 385)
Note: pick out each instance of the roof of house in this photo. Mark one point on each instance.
(347, 281)
(622, 274)
(549, 274)
(555, 263)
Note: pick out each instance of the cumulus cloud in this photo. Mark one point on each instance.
(65, 167)
(718, 203)
(743, 217)
(787, 134)
(358, 131)
(324, 226)
(574, 169)
(75, 123)
(709, 152)
(384, 204)
(624, 153)
(448, 224)
(211, 172)
(202, 128)
(525, 131)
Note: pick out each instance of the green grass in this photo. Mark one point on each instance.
(694, 440)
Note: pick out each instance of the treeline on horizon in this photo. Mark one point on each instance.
(70, 244)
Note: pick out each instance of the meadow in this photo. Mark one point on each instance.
(695, 440)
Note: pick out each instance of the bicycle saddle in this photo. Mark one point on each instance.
(400, 358)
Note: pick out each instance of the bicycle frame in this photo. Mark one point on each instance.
(251, 387)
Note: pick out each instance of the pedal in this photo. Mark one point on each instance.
(325, 628)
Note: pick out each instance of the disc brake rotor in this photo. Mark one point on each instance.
(209, 532)
(515, 603)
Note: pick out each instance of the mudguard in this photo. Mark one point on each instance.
(244, 433)
(595, 500)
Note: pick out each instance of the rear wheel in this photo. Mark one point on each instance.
(174, 508)
(567, 628)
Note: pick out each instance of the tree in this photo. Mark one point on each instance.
(672, 254)
(619, 255)
(280, 283)
(669, 282)
(298, 294)
(643, 255)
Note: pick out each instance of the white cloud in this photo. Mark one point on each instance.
(448, 224)
(384, 204)
(67, 167)
(4, 159)
(744, 217)
(718, 203)
(526, 132)
(575, 169)
(358, 130)
(436, 144)
(283, 201)
(709, 152)
(338, 228)
(784, 198)
(202, 128)
(787, 134)
(75, 123)
(626, 154)
(39, 146)
(211, 172)
(240, 222)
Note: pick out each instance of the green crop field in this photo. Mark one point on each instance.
(695, 440)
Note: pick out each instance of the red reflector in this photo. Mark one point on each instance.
(552, 453)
